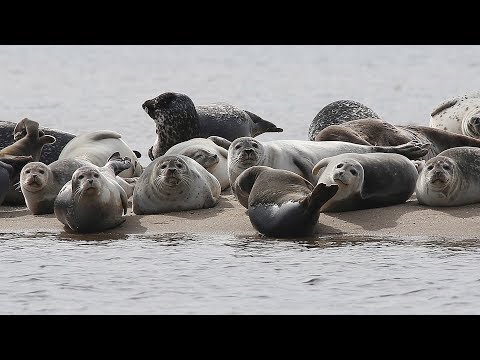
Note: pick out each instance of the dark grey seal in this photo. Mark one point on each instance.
(10, 167)
(281, 203)
(177, 119)
(337, 113)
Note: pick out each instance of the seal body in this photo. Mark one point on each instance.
(379, 132)
(460, 115)
(213, 157)
(281, 203)
(10, 167)
(93, 200)
(367, 180)
(337, 113)
(301, 156)
(98, 146)
(177, 119)
(174, 183)
(452, 178)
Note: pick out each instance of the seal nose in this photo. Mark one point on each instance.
(476, 121)
(172, 170)
(34, 176)
(248, 151)
(90, 181)
(215, 156)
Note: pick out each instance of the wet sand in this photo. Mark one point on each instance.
(229, 217)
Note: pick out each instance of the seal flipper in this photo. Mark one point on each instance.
(220, 141)
(413, 149)
(137, 154)
(117, 163)
(319, 196)
(319, 168)
(261, 126)
(243, 184)
(305, 167)
(444, 105)
(104, 134)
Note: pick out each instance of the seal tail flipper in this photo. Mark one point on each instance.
(413, 149)
(220, 141)
(137, 154)
(261, 126)
(319, 196)
(117, 163)
(103, 134)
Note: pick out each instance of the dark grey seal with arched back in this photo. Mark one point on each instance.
(281, 203)
(337, 113)
(177, 119)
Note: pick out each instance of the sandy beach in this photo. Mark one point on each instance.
(229, 217)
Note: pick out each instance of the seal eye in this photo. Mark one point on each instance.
(354, 172)
(163, 166)
(179, 166)
(81, 177)
(41, 171)
(238, 146)
(96, 175)
(27, 171)
(255, 145)
(339, 166)
(430, 167)
(446, 167)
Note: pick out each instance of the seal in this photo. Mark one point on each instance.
(49, 153)
(337, 113)
(174, 183)
(451, 178)
(281, 203)
(300, 156)
(460, 115)
(92, 200)
(10, 167)
(177, 119)
(98, 146)
(208, 153)
(366, 180)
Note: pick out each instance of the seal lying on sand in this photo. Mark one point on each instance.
(379, 132)
(337, 113)
(174, 183)
(93, 200)
(10, 167)
(281, 203)
(208, 153)
(366, 180)
(177, 119)
(460, 115)
(49, 153)
(452, 178)
(301, 156)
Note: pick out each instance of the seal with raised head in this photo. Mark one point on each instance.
(98, 146)
(337, 113)
(452, 178)
(366, 180)
(208, 153)
(281, 203)
(93, 200)
(49, 153)
(300, 156)
(460, 115)
(10, 167)
(174, 183)
(379, 132)
(177, 119)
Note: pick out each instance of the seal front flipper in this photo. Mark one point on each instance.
(261, 126)
(319, 168)
(242, 186)
(413, 149)
(444, 105)
(319, 196)
(220, 141)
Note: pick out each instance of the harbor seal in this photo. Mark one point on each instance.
(10, 167)
(49, 153)
(300, 156)
(177, 119)
(98, 146)
(207, 153)
(379, 132)
(366, 180)
(337, 113)
(281, 203)
(452, 178)
(92, 200)
(174, 183)
(460, 115)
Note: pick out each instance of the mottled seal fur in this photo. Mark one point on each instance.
(337, 113)
(281, 203)
(452, 178)
(177, 119)
(174, 183)
(367, 180)
(460, 115)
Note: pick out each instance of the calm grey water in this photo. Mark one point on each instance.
(86, 88)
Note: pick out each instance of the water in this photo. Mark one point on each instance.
(86, 88)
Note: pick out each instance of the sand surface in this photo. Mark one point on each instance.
(229, 217)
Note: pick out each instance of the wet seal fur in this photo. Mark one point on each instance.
(92, 200)
(366, 180)
(337, 113)
(281, 203)
(379, 132)
(452, 178)
(460, 115)
(174, 183)
(301, 156)
(177, 119)
(10, 167)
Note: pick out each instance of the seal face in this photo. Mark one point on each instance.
(450, 178)
(281, 203)
(174, 183)
(337, 113)
(92, 200)
(367, 180)
(177, 119)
